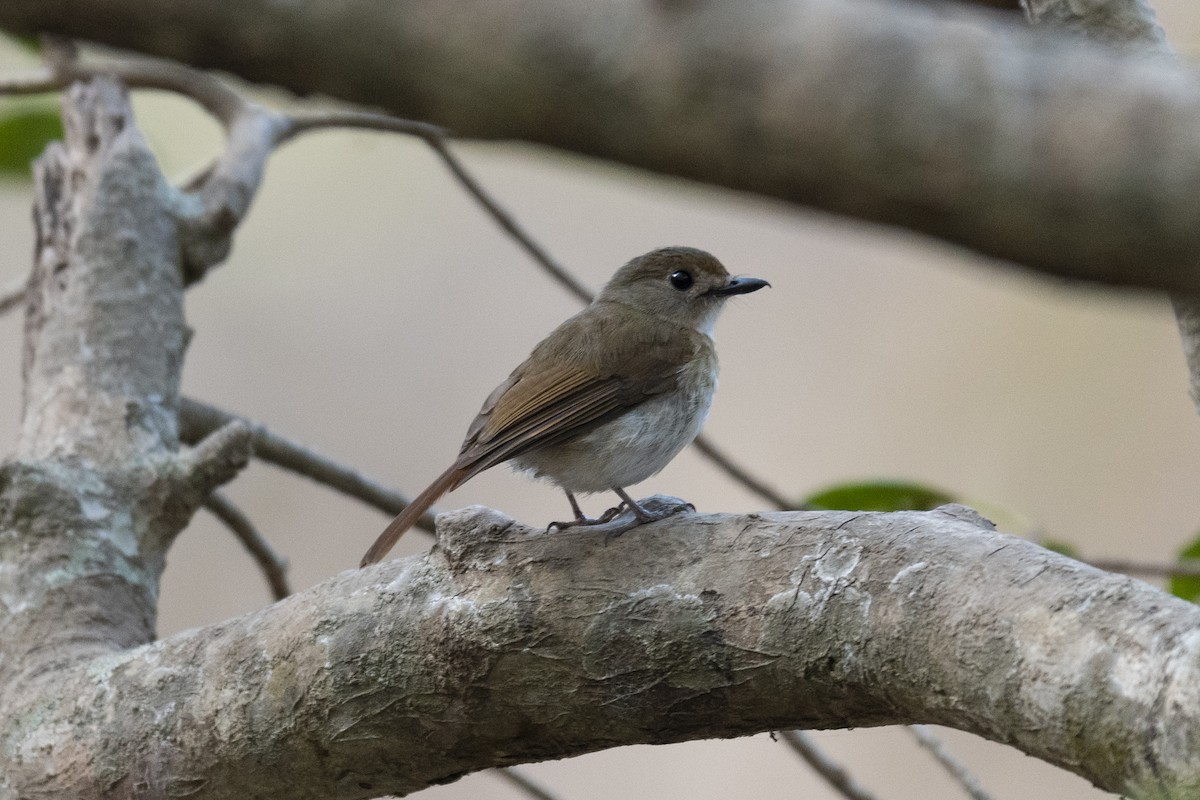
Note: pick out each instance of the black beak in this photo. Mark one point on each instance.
(738, 286)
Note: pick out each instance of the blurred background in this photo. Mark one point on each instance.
(369, 307)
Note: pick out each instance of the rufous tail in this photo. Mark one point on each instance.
(411, 513)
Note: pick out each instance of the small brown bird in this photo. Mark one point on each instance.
(609, 397)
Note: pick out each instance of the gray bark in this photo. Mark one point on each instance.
(953, 122)
(97, 487)
(505, 645)
(1126, 24)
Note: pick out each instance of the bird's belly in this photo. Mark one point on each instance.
(628, 449)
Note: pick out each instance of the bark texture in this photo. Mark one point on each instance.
(97, 487)
(505, 645)
(1125, 24)
(1059, 155)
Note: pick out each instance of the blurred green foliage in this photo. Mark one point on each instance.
(879, 496)
(1185, 586)
(26, 126)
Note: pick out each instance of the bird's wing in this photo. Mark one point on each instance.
(558, 393)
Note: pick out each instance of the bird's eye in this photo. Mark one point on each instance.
(681, 280)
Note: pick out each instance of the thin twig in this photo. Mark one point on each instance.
(214, 95)
(436, 137)
(834, 774)
(299, 122)
(273, 566)
(12, 297)
(743, 477)
(937, 749)
(62, 69)
(197, 419)
(37, 81)
(524, 784)
(506, 222)
(212, 208)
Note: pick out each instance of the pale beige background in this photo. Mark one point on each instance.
(369, 307)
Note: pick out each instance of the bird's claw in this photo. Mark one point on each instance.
(639, 516)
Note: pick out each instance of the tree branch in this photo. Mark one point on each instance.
(505, 644)
(1131, 25)
(836, 776)
(97, 487)
(273, 566)
(957, 771)
(12, 296)
(932, 105)
(523, 784)
(198, 420)
(1125, 24)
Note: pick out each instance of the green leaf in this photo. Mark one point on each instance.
(24, 133)
(31, 42)
(1062, 548)
(1185, 586)
(879, 496)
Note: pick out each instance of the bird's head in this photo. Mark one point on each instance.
(683, 284)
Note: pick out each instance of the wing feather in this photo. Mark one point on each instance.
(568, 386)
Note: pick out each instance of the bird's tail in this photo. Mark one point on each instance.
(412, 512)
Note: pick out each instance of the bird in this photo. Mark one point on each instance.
(609, 397)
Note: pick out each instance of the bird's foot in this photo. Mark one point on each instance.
(658, 507)
(628, 515)
(581, 521)
(652, 509)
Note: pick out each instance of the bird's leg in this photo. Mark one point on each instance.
(641, 515)
(575, 509)
(580, 517)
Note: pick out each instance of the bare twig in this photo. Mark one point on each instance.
(524, 784)
(12, 296)
(207, 210)
(38, 81)
(213, 94)
(937, 749)
(306, 121)
(509, 224)
(197, 418)
(62, 69)
(837, 777)
(273, 566)
(743, 477)
(436, 137)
